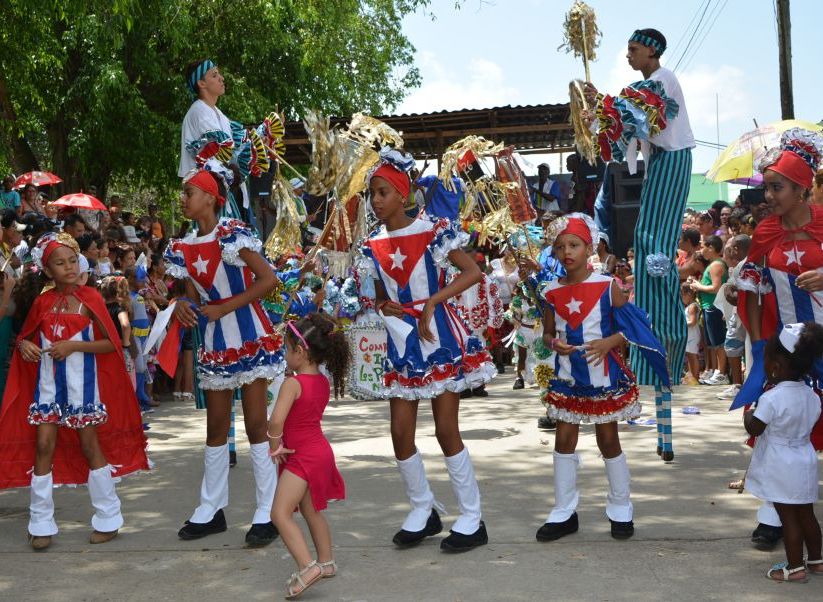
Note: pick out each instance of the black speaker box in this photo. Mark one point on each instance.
(625, 186)
(624, 219)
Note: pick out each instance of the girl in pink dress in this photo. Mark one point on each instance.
(308, 475)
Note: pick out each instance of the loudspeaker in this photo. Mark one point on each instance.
(626, 187)
(261, 186)
(624, 219)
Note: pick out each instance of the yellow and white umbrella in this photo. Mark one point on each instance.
(739, 158)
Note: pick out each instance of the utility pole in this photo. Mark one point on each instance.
(784, 42)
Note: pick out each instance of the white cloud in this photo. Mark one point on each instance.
(479, 84)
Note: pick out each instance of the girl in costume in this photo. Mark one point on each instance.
(783, 469)
(68, 409)
(430, 351)
(586, 318)
(309, 478)
(226, 276)
(781, 281)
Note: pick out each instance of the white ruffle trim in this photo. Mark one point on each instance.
(628, 412)
(470, 380)
(210, 382)
(440, 252)
(231, 250)
(364, 266)
(175, 271)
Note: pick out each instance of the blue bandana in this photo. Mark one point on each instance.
(647, 41)
(198, 74)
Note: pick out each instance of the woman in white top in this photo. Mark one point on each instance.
(783, 469)
(505, 275)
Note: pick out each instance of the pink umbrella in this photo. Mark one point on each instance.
(79, 200)
(38, 178)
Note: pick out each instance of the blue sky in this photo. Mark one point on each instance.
(501, 52)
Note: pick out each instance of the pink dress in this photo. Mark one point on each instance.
(313, 458)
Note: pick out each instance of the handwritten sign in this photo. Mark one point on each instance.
(368, 350)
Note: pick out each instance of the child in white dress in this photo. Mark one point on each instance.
(783, 469)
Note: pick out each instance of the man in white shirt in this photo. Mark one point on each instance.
(546, 193)
(663, 198)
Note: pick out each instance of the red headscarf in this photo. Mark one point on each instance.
(579, 228)
(398, 179)
(205, 181)
(792, 166)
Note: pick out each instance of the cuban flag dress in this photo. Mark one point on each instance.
(582, 392)
(242, 346)
(411, 262)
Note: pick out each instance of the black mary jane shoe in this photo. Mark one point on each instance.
(407, 539)
(518, 384)
(553, 531)
(480, 392)
(766, 537)
(458, 542)
(622, 530)
(192, 530)
(261, 534)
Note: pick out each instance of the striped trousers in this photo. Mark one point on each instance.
(662, 202)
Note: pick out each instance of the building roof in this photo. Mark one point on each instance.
(531, 129)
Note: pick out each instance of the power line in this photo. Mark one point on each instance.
(682, 37)
(691, 39)
(707, 30)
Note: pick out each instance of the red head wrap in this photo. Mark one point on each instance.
(398, 179)
(206, 182)
(792, 166)
(579, 228)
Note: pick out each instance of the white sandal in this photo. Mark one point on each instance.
(785, 573)
(331, 564)
(811, 563)
(304, 585)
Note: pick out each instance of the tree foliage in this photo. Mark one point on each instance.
(93, 89)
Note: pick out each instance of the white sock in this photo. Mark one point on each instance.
(41, 507)
(418, 491)
(464, 484)
(214, 490)
(107, 516)
(566, 496)
(618, 501)
(265, 480)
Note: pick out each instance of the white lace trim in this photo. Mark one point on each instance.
(175, 271)
(210, 382)
(470, 380)
(231, 250)
(628, 412)
(440, 252)
(365, 267)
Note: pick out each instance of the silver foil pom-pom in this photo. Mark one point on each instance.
(658, 265)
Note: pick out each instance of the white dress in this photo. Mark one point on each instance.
(784, 464)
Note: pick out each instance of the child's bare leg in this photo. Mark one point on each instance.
(403, 426)
(811, 536)
(90, 446)
(608, 440)
(694, 364)
(290, 491)
(565, 440)
(44, 451)
(792, 533)
(522, 352)
(318, 527)
(736, 370)
(445, 409)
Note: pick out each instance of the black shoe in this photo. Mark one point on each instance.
(192, 530)
(518, 384)
(466, 393)
(457, 542)
(501, 368)
(407, 539)
(621, 530)
(659, 451)
(552, 531)
(480, 392)
(261, 534)
(546, 423)
(766, 537)
(667, 456)
(232, 459)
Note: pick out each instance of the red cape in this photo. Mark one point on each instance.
(121, 437)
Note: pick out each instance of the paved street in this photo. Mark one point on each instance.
(691, 543)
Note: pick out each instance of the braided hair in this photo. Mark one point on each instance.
(327, 344)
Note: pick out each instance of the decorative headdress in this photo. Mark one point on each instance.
(790, 335)
(198, 73)
(579, 224)
(48, 243)
(205, 181)
(797, 157)
(651, 38)
(394, 167)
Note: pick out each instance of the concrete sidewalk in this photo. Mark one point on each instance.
(691, 542)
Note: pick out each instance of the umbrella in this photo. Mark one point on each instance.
(738, 159)
(38, 178)
(79, 200)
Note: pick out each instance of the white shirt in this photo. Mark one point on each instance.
(678, 133)
(200, 118)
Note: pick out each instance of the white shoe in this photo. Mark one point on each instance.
(705, 375)
(729, 393)
(718, 379)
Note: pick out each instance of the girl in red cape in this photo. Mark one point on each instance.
(68, 410)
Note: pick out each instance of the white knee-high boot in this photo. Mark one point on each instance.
(618, 501)
(104, 500)
(767, 515)
(566, 496)
(418, 491)
(265, 481)
(214, 491)
(41, 507)
(464, 484)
